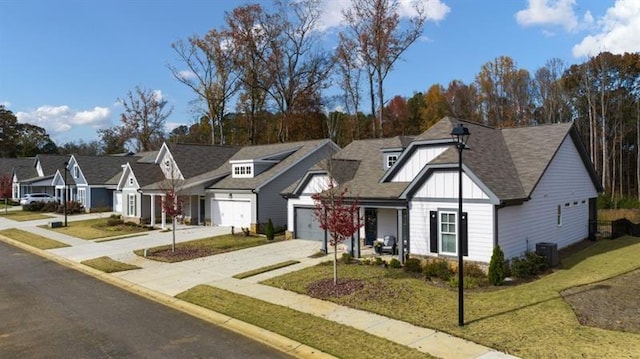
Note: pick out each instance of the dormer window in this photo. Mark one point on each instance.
(243, 170)
(167, 164)
(391, 160)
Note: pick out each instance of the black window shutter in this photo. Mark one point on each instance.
(464, 233)
(433, 230)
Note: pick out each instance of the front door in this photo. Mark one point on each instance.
(201, 211)
(370, 226)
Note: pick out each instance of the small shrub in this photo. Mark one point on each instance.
(366, 262)
(413, 265)
(378, 261)
(473, 270)
(246, 231)
(496, 273)
(438, 268)
(346, 258)
(112, 222)
(33, 207)
(269, 232)
(115, 216)
(72, 208)
(530, 265)
(50, 207)
(394, 263)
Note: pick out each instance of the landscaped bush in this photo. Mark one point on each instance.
(346, 258)
(394, 263)
(111, 222)
(72, 208)
(438, 268)
(413, 265)
(530, 265)
(496, 273)
(33, 207)
(269, 231)
(379, 261)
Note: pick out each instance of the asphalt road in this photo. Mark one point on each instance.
(50, 311)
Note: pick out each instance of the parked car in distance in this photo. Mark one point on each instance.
(37, 197)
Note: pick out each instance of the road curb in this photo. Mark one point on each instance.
(267, 337)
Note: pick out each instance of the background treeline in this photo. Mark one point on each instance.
(263, 77)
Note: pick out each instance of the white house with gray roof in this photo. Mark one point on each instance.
(521, 186)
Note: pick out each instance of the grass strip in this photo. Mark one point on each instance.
(32, 239)
(202, 247)
(530, 320)
(257, 271)
(23, 216)
(108, 265)
(97, 228)
(336, 339)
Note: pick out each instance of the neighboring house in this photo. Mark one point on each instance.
(247, 192)
(38, 177)
(142, 184)
(18, 169)
(521, 186)
(91, 180)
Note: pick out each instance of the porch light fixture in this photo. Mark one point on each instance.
(460, 135)
(64, 196)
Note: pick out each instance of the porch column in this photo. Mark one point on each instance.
(164, 215)
(153, 210)
(400, 239)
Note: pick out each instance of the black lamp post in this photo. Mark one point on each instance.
(64, 197)
(460, 135)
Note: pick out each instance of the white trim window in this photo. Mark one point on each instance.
(391, 160)
(243, 171)
(131, 205)
(448, 233)
(82, 196)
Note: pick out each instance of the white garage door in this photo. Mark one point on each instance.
(306, 225)
(230, 213)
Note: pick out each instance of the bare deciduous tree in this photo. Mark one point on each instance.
(143, 118)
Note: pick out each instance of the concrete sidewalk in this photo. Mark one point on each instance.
(169, 279)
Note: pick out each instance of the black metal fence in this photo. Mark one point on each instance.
(617, 228)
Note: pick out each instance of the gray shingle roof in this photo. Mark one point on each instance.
(52, 163)
(98, 170)
(509, 162)
(23, 166)
(194, 159)
(294, 151)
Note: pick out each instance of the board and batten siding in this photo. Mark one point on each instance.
(440, 192)
(480, 227)
(565, 183)
(416, 163)
(317, 183)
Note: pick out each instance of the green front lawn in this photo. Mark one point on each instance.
(23, 216)
(32, 239)
(108, 265)
(97, 228)
(203, 247)
(531, 320)
(339, 340)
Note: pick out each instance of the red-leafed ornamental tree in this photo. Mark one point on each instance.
(173, 207)
(336, 216)
(6, 184)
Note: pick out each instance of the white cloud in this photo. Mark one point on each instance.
(59, 119)
(618, 31)
(549, 13)
(186, 74)
(435, 10)
(157, 95)
(6, 104)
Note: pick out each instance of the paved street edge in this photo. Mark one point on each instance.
(261, 335)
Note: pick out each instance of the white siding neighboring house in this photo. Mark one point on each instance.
(521, 186)
(250, 194)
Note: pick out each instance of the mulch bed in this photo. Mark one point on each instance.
(612, 304)
(325, 288)
(180, 254)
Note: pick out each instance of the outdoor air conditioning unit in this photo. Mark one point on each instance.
(549, 251)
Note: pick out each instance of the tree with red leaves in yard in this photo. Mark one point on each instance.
(336, 216)
(6, 184)
(172, 204)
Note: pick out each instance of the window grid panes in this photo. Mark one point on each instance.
(391, 160)
(132, 205)
(448, 243)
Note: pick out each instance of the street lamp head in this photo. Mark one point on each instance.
(460, 135)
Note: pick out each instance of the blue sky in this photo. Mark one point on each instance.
(64, 64)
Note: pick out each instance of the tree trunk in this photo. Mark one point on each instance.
(335, 264)
(380, 105)
(638, 148)
(173, 243)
